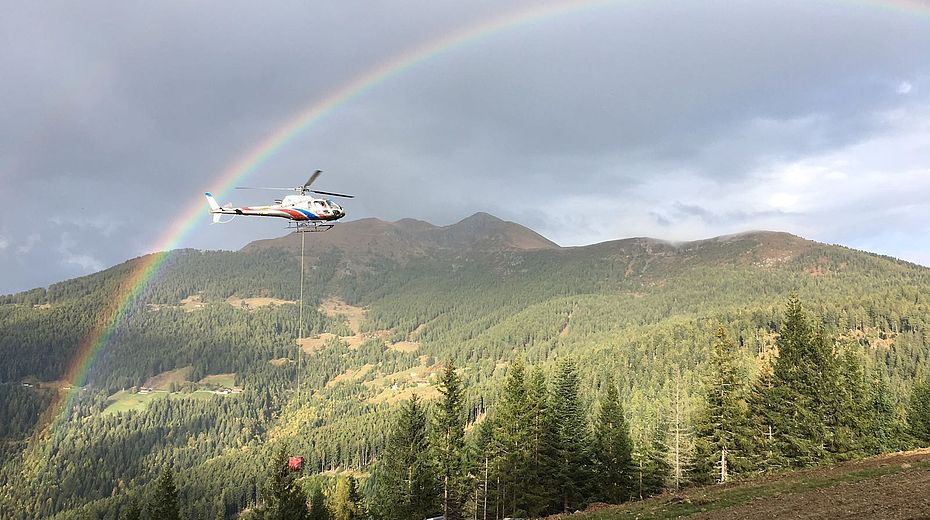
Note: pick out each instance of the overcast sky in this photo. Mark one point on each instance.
(676, 120)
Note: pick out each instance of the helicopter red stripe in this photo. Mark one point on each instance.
(296, 215)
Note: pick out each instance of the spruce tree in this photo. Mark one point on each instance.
(573, 439)
(318, 509)
(613, 455)
(405, 477)
(512, 439)
(918, 413)
(132, 511)
(449, 442)
(284, 499)
(540, 482)
(164, 504)
(801, 381)
(650, 458)
(723, 428)
(345, 502)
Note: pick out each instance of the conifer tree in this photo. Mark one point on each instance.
(482, 469)
(918, 413)
(650, 458)
(762, 418)
(680, 440)
(318, 509)
(852, 414)
(800, 382)
(573, 439)
(449, 442)
(613, 454)
(405, 477)
(540, 483)
(345, 501)
(284, 497)
(132, 511)
(512, 438)
(723, 429)
(164, 504)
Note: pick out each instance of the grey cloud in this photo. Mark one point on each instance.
(120, 115)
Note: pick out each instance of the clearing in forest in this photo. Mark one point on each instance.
(332, 307)
(250, 304)
(163, 381)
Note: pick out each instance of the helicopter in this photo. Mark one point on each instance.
(305, 212)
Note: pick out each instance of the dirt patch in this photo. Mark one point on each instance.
(315, 344)
(354, 315)
(350, 375)
(43, 306)
(405, 346)
(192, 303)
(280, 361)
(250, 304)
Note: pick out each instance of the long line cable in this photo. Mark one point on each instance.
(300, 312)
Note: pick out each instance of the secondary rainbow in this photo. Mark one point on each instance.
(148, 267)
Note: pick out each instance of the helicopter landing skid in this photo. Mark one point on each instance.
(310, 227)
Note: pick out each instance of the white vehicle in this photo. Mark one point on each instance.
(306, 212)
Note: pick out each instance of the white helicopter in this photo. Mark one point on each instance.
(305, 212)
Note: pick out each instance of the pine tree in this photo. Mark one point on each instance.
(284, 498)
(723, 429)
(680, 441)
(164, 504)
(512, 439)
(650, 458)
(449, 442)
(318, 509)
(762, 418)
(852, 415)
(918, 413)
(540, 483)
(132, 511)
(613, 455)
(802, 376)
(345, 502)
(572, 450)
(405, 477)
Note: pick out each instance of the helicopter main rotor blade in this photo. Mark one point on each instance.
(333, 194)
(262, 188)
(312, 178)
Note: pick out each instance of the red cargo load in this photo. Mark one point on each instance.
(295, 463)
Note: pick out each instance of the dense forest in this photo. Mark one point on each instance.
(604, 373)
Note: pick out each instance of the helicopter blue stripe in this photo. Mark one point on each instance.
(307, 214)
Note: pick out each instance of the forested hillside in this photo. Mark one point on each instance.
(202, 382)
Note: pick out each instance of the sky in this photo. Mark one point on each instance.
(678, 120)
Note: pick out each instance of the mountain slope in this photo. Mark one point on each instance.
(409, 238)
(385, 305)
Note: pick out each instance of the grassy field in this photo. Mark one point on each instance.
(888, 486)
(124, 400)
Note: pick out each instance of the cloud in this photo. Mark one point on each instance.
(31, 241)
(586, 126)
(80, 259)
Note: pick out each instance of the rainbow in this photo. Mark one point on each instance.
(148, 267)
